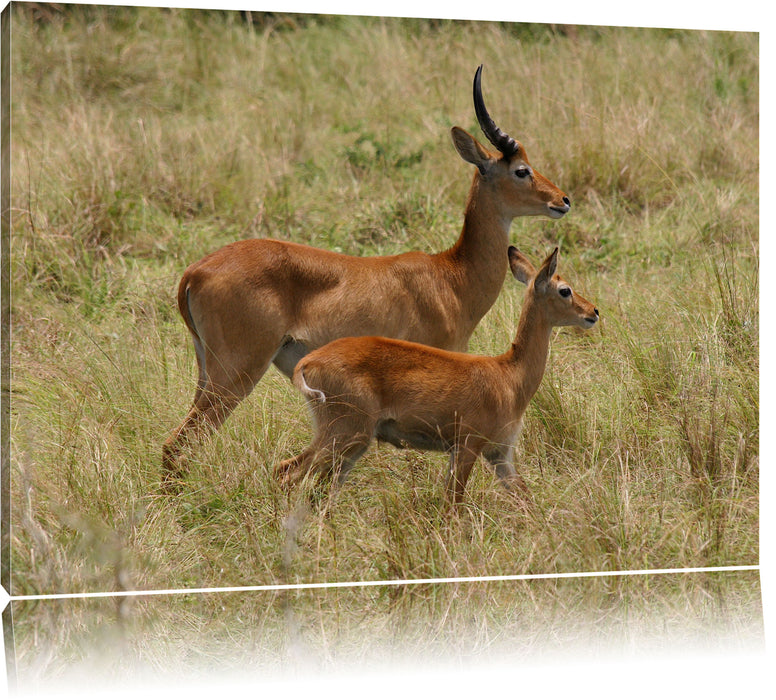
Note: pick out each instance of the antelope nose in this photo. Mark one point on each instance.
(596, 312)
(556, 210)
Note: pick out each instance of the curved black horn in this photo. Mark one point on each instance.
(504, 142)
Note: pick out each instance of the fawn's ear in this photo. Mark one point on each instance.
(471, 150)
(547, 270)
(521, 267)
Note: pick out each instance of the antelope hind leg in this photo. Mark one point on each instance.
(290, 471)
(204, 417)
(216, 397)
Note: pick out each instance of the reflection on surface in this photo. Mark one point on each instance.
(280, 635)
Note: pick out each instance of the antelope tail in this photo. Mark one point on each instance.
(308, 391)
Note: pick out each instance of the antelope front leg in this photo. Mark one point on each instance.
(462, 459)
(502, 462)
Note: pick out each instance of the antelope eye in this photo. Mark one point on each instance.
(565, 292)
(522, 172)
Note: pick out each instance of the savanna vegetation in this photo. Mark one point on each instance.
(449, 629)
(144, 138)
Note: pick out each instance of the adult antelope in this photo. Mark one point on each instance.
(413, 395)
(260, 301)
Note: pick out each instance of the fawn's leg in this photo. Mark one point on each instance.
(462, 459)
(502, 461)
(342, 436)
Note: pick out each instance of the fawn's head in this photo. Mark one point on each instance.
(562, 305)
(521, 190)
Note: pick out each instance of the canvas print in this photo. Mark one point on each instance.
(427, 311)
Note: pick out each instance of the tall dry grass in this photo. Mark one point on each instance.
(399, 631)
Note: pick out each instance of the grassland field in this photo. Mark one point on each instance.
(144, 138)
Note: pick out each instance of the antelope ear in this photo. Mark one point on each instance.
(521, 267)
(547, 270)
(471, 150)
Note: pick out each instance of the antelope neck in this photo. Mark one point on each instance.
(480, 253)
(531, 345)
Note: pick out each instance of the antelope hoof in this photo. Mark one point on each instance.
(288, 472)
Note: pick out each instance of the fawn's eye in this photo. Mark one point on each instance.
(565, 292)
(522, 171)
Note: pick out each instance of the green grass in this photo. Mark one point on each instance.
(144, 138)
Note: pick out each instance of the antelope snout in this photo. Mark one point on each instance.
(556, 211)
(590, 321)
